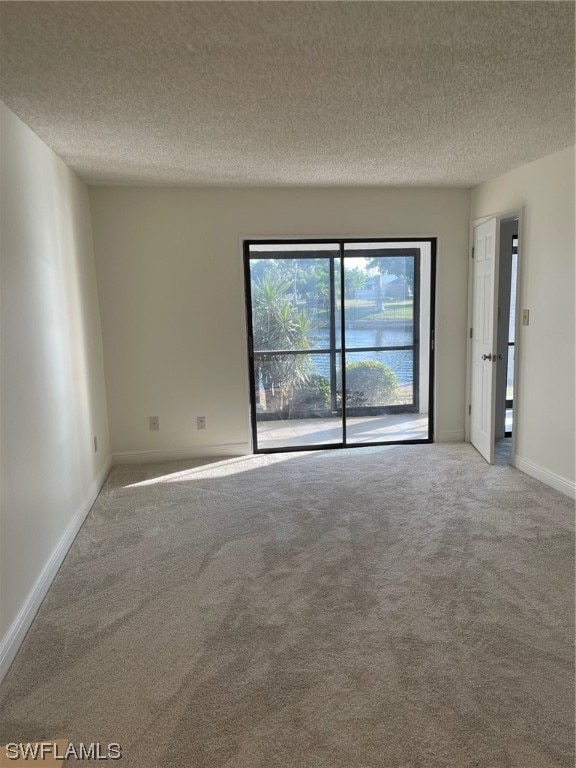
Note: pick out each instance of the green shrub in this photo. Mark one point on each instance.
(370, 383)
(312, 395)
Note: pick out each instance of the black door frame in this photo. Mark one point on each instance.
(340, 243)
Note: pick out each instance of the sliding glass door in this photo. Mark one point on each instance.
(339, 353)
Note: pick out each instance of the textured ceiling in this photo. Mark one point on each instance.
(292, 93)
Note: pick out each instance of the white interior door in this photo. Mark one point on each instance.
(484, 355)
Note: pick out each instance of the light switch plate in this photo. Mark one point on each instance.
(525, 317)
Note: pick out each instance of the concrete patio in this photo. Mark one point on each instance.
(293, 433)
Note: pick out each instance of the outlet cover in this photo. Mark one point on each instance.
(201, 422)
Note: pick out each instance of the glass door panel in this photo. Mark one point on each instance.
(292, 301)
(382, 343)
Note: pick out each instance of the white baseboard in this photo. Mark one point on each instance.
(181, 454)
(559, 483)
(450, 436)
(16, 633)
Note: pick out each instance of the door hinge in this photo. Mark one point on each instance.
(471, 333)
(472, 251)
(469, 410)
(432, 341)
(250, 346)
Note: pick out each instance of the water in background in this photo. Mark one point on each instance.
(400, 361)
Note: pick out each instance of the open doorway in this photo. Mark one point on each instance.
(494, 324)
(483, 307)
(506, 337)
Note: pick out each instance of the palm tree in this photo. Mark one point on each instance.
(279, 325)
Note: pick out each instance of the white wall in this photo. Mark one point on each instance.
(53, 399)
(544, 394)
(170, 275)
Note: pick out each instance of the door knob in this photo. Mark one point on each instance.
(487, 357)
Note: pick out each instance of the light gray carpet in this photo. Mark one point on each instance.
(400, 607)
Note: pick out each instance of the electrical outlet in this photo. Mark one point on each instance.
(201, 422)
(525, 317)
(95, 444)
(154, 423)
